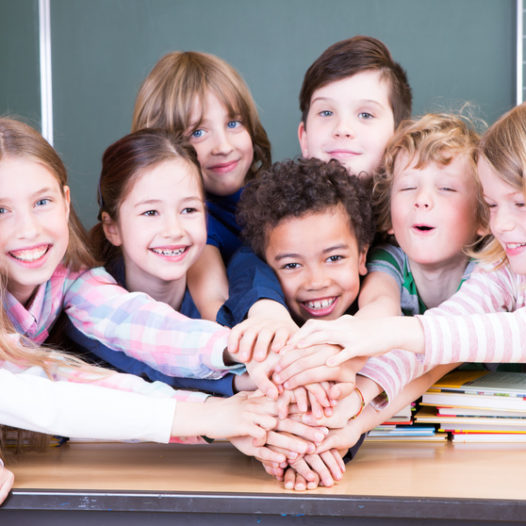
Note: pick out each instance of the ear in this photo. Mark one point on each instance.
(67, 199)
(111, 230)
(302, 138)
(362, 258)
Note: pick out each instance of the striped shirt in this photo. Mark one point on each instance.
(484, 322)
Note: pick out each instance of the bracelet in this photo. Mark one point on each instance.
(361, 407)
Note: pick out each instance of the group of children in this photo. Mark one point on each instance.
(317, 264)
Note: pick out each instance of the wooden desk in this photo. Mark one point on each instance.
(170, 484)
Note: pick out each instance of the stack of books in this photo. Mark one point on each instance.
(401, 427)
(477, 406)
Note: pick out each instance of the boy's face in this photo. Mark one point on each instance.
(350, 120)
(318, 263)
(434, 210)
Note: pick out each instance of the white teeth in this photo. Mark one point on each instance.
(166, 252)
(513, 246)
(320, 304)
(29, 255)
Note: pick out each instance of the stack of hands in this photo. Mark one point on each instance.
(315, 404)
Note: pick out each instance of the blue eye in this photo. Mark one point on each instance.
(3, 210)
(197, 134)
(326, 113)
(365, 115)
(42, 202)
(233, 124)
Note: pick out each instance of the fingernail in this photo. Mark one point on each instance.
(288, 485)
(311, 485)
(319, 437)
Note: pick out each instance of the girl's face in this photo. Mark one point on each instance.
(223, 145)
(507, 218)
(34, 234)
(161, 225)
(433, 210)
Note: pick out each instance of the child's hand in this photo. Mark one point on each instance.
(6, 482)
(346, 409)
(307, 366)
(241, 414)
(342, 438)
(268, 456)
(313, 398)
(325, 468)
(260, 373)
(260, 334)
(356, 337)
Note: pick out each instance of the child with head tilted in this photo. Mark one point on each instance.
(46, 269)
(312, 223)
(204, 99)
(485, 320)
(353, 97)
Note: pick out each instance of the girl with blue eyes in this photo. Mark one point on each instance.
(204, 99)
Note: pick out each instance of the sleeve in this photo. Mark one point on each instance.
(30, 401)
(95, 352)
(147, 330)
(483, 322)
(388, 259)
(250, 279)
(480, 323)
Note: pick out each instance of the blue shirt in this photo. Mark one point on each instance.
(223, 230)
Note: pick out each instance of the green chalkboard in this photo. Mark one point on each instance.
(453, 51)
(19, 60)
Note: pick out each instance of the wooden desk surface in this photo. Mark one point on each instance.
(443, 481)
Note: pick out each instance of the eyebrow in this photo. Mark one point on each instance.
(360, 101)
(341, 246)
(156, 201)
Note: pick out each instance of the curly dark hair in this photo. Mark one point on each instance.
(294, 188)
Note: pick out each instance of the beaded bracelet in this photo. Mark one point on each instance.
(361, 407)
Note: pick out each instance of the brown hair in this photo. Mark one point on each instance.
(169, 92)
(503, 147)
(20, 140)
(294, 188)
(349, 57)
(122, 163)
(436, 137)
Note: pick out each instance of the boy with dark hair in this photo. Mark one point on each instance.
(312, 223)
(352, 98)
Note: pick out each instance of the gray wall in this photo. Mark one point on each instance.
(453, 51)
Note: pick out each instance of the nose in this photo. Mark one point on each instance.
(27, 225)
(343, 128)
(316, 278)
(222, 144)
(501, 220)
(423, 198)
(172, 227)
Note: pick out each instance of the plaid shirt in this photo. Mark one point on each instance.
(133, 323)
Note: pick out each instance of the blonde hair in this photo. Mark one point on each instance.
(503, 147)
(19, 140)
(435, 137)
(182, 78)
